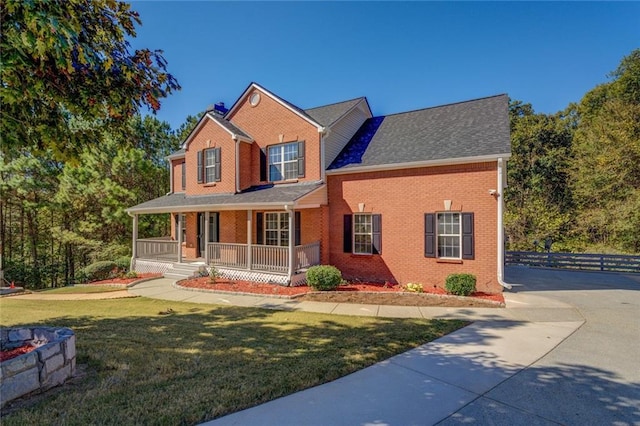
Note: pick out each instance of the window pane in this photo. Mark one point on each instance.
(291, 170)
(274, 173)
(210, 157)
(290, 152)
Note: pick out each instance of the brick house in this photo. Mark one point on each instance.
(265, 189)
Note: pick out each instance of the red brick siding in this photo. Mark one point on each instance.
(246, 165)
(266, 122)
(402, 198)
(177, 175)
(219, 138)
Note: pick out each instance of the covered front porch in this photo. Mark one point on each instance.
(271, 241)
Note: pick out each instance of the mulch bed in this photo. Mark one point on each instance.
(364, 293)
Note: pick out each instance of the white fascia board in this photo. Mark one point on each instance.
(417, 164)
(210, 207)
(253, 86)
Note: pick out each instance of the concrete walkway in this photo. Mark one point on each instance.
(565, 350)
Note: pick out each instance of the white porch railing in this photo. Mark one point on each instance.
(152, 248)
(263, 258)
(308, 255)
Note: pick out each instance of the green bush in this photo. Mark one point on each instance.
(324, 277)
(123, 263)
(100, 270)
(460, 284)
(131, 274)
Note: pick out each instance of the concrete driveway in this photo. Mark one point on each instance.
(593, 376)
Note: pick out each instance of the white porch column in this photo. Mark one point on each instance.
(249, 239)
(180, 225)
(206, 238)
(292, 237)
(134, 248)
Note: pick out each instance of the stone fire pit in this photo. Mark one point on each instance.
(49, 365)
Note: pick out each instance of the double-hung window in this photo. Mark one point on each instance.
(286, 161)
(449, 235)
(362, 233)
(276, 229)
(209, 165)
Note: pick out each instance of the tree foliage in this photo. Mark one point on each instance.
(66, 60)
(574, 176)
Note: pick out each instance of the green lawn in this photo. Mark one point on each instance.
(202, 361)
(82, 289)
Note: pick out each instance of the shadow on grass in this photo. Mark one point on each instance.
(199, 363)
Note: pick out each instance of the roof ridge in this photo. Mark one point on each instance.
(444, 105)
(336, 103)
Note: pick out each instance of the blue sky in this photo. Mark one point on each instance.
(401, 55)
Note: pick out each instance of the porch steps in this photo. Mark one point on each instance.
(181, 271)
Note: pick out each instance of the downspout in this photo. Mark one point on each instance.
(323, 131)
(500, 200)
(235, 138)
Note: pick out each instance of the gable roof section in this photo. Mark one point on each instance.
(233, 130)
(298, 111)
(449, 133)
(263, 196)
(329, 114)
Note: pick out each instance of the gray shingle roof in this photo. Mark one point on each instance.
(178, 153)
(328, 114)
(229, 125)
(258, 195)
(467, 129)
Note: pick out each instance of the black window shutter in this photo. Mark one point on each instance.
(429, 235)
(263, 164)
(217, 161)
(200, 166)
(297, 228)
(217, 214)
(214, 227)
(467, 236)
(376, 224)
(184, 175)
(259, 225)
(347, 234)
(176, 227)
(301, 159)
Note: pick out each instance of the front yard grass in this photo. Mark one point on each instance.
(199, 362)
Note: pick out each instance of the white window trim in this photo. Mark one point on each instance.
(279, 230)
(208, 166)
(459, 235)
(370, 233)
(282, 162)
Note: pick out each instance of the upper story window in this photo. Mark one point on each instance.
(209, 165)
(286, 161)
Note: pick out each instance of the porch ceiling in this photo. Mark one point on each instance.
(297, 195)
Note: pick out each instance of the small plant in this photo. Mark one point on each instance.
(460, 284)
(131, 274)
(100, 270)
(324, 277)
(201, 272)
(414, 288)
(214, 274)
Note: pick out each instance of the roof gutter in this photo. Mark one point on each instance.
(416, 164)
(500, 199)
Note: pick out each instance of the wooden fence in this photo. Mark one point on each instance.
(581, 261)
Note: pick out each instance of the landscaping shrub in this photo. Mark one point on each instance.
(460, 284)
(214, 274)
(414, 287)
(131, 274)
(100, 270)
(123, 263)
(324, 277)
